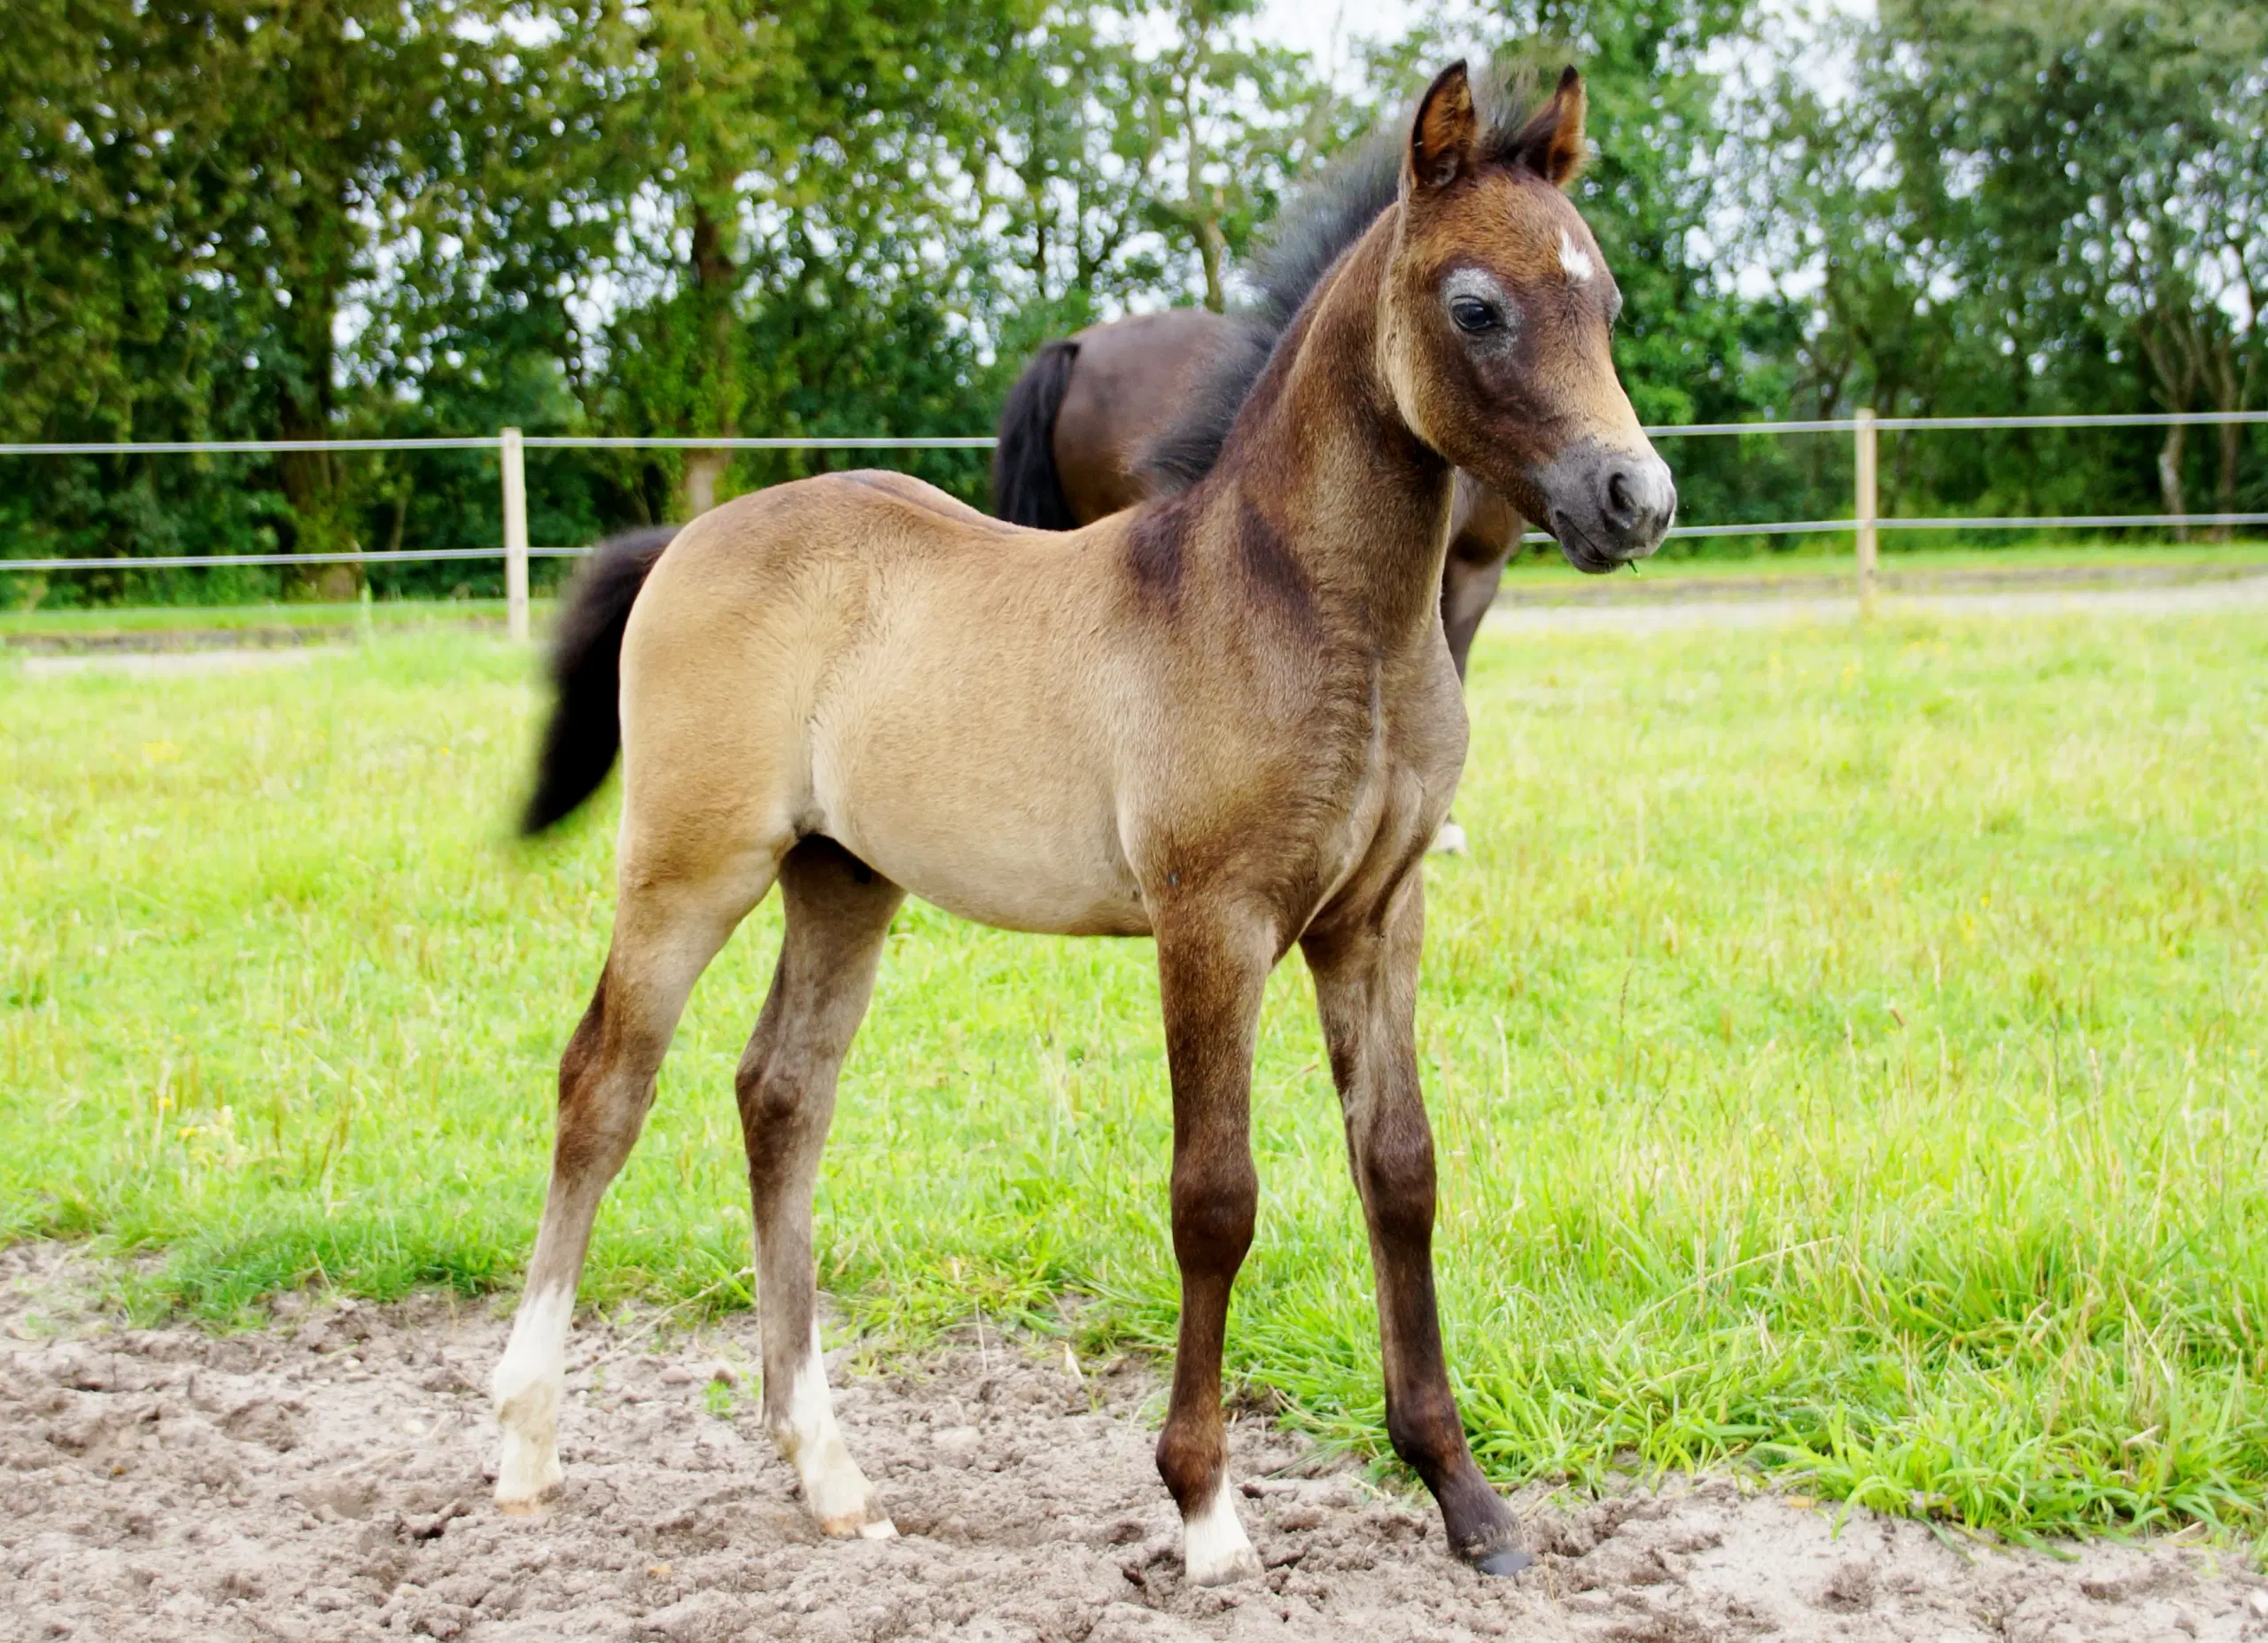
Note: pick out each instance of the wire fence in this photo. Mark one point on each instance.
(1864, 521)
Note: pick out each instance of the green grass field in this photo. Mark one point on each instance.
(1845, 1049)
(1796, 561)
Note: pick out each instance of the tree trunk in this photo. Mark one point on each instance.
(1203, 209)
(310, 482)
(2227, 396)
(321, 521)
(1211, 248)
(2225, 498)
(715, 400)
(702, 470)
(2177, 438)
(2169, 341)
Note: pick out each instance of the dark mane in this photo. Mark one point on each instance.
(1313, 232)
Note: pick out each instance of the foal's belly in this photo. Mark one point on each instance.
(1045, 880)
(999, 812)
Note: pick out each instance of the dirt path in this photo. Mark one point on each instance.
(169, 664)
(324, 1480)
(1635, 612)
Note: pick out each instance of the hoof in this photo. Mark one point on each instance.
(1504, 1562)
(858, 1526)
(1214, 1549)
(1449, 841)
(525, 1505)
(1242, 1564)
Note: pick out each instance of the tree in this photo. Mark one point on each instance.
(232, 169)
(2043, 204)
(755, 138)
(1233, 125)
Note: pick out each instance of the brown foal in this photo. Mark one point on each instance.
(1227, 719)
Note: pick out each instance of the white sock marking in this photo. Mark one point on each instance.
(1574, 259)
(525, 1388)
(1449, 841)
(1214, 1547)
(834, 1489)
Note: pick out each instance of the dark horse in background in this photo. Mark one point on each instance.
(1138, 406)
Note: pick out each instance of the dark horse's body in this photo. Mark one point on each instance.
(1101, 420)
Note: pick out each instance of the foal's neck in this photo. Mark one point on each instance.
(1321, 459)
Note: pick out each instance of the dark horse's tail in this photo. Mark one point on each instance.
(1026, 487)
(585, 729)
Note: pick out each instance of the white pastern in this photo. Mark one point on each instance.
(525, 1388)
(834, 1489)
(1214, 1549)
(1574, 259)
(1449, 841)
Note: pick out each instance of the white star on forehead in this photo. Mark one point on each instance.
(1574, 259)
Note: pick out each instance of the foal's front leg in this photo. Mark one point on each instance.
(1366, 990)
(1210, 982)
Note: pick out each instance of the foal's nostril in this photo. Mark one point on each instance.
(1618, 497)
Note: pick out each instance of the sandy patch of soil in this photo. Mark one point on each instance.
(324, 1479)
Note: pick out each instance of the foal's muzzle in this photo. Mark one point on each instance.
(1608, 505)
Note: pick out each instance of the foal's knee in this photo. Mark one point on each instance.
(1397, 1167)
(772, 1098)
(1215, 1210)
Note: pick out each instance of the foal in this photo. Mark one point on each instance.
(1227, 719)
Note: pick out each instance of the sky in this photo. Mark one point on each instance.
(1322, 28)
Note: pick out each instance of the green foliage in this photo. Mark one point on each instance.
(1842, 1047)
(2020, 207)
(249, 218)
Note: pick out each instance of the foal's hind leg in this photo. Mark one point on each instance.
(838, 911)
(665, 932)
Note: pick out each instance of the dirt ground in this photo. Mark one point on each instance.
(1700, 604)
(324, 1479)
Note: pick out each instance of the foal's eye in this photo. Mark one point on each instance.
(1472, 315)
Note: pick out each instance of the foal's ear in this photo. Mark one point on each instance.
(1551, 144)
(1445, 138)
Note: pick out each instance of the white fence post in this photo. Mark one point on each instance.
(509, 451)
(1868, 536)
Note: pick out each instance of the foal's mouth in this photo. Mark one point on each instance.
(1584, 551)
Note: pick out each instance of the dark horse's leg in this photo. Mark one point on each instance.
(838, 912)
(1469, 582)
(1211, 975)
(1366, 990)
(1483, 533)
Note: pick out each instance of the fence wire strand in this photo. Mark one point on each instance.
(969, 442)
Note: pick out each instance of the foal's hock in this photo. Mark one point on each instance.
(1227, 719)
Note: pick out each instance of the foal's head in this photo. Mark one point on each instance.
(1496, 322)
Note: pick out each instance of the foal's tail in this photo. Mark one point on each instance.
(585, 729)
(1026, 487)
